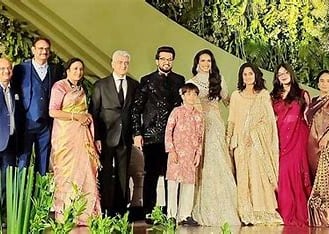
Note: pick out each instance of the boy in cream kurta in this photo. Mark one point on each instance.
(183, 141)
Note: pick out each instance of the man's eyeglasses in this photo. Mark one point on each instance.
(43, 48)
(2, 69)
(163, 59)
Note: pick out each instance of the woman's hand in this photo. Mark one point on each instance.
(324, 141)
(84, 119)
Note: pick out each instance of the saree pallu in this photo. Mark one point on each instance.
(74, 158)
(318, 117)
(294, 186)
(256, 163)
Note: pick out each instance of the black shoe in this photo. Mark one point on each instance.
(189, 221)
(149, 221)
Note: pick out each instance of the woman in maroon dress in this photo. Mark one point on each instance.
(290, 103)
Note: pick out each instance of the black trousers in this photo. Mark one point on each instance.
(155, 161)
(113, 179)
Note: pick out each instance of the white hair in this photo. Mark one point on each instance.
(118, 53)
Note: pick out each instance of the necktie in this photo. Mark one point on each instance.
(120, 93)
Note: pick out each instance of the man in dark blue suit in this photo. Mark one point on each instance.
(7, 119)
(34, 79)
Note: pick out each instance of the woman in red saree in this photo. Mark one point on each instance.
(290, 103)
(318, 153)
(73, 154)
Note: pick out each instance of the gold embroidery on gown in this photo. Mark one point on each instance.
(216, 195)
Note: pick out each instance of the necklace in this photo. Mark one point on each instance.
(73, 86)
(202, 80)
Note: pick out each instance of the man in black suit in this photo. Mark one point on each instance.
(155, 98)
(111, 110)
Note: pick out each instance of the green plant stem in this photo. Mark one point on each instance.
(21, 200)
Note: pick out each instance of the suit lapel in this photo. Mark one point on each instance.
(113, 89)
(2, 99)
(12, 94)
(128, 94)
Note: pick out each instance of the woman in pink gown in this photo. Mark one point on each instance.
(290, 103)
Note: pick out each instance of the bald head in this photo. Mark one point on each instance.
(6, 71)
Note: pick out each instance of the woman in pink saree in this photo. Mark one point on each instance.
(73, 154)
(289, 103)
(318, 153)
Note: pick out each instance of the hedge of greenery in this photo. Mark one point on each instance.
(265, 32)
(16, 40)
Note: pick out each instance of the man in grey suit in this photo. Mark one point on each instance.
(111, 110)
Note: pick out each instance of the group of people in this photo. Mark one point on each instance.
(269, 165)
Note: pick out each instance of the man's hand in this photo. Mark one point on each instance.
(98, 145)
(139, 142)
(196, 161)
(173, 157)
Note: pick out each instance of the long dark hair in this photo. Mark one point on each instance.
(259, 80)
(215, 79)
(295, 93)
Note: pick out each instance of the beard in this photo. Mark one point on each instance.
(165, 70)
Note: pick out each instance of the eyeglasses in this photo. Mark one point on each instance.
(163, 59)
(282, 73)
(43, 48)
(2, 69)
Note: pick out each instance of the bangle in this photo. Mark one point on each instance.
(72, 117)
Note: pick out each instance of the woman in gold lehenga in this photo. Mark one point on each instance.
(73, 154)
(318, 153)
(252, 137)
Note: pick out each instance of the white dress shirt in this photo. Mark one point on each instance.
(40, 69)
(10, 107)
(124, 83)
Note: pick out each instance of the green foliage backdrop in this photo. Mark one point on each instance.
(265, 32)
(16, 39)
